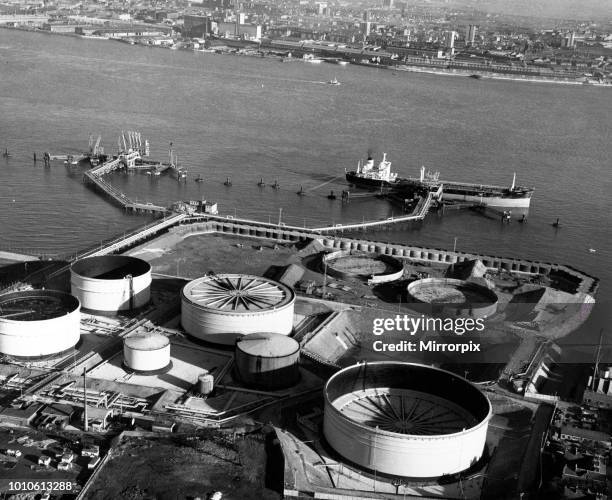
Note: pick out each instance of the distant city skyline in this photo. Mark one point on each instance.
(574, 9)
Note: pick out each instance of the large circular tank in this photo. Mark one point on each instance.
(268, 360)
(405, 419)
(111, 283)
(223, 307)
(363, 265)
(147, 353)
(452, 297)
(37, 323)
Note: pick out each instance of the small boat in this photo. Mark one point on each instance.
(331, 196)
(157, 173)
(476, 76)
(148, 172)
(261, 183)
(227, 182)
(199, 178)
(6, 154)
(276, 185)
(301, 192)
(592, 250)
(334, 82)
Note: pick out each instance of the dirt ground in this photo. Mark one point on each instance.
(186, 467)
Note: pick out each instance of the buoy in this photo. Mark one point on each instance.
(556, 223)
(261, 183)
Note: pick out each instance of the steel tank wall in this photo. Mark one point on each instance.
(102, 283)
(407, 455)
(146, 360)
(224, 327)
(271, 364)
(41, 337)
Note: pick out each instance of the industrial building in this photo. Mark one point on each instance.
(111, 283)
(223, 307)
(38, 323)
(405, 419)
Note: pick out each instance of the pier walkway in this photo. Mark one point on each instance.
(94, 178)
(419, 213)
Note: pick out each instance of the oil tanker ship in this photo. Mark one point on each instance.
(369, 175)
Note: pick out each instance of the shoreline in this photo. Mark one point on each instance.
(404, 67)
(497, 76)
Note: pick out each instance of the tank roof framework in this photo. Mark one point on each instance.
(405, 412)
(238, 293)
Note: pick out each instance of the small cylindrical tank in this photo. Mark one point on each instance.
(147, 353)
(268, 360)
(206, 383)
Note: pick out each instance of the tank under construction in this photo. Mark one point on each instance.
(405, 419)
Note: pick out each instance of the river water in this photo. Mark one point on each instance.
(249, 118)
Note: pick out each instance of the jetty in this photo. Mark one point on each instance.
(94, 178)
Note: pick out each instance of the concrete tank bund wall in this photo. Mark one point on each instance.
(452, 297)
(50, 325)
(196, 225)
(111, 282)
(363, 265)
(424, 454)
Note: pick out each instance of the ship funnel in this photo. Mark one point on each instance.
(513, 182)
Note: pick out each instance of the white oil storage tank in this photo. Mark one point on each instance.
(111, 283)
(223, 307)
(148, 353)
(405, 419)
(267, 360)
(38, 323)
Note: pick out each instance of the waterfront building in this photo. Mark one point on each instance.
(470, 34)
(366, 25)
(449, 39)
(197, 26)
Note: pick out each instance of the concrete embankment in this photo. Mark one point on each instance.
(583, 282)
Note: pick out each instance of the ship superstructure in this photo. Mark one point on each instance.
(373, 175)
